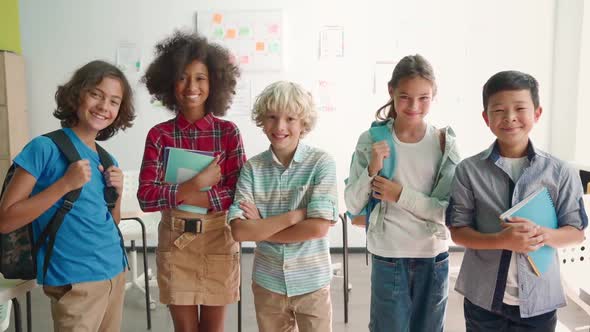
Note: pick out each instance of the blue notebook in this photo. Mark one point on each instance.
(539, 208)
(182, 165)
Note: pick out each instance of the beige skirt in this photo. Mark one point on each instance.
(198, 260)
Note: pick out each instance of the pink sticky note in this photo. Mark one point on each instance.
(244, 59)
(273, 28)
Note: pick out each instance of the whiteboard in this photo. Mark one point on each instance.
(254, 38)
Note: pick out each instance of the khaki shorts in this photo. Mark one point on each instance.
(88, 306)
(202, 268)
(311, 312)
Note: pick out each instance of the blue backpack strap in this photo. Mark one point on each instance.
(380, 131)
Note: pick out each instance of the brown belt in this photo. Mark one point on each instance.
(191, 224)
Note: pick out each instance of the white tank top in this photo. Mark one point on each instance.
(406, 235)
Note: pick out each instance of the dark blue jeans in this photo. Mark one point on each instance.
(409, 294)
(478, 319)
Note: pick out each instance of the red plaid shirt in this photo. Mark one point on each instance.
(207, 134)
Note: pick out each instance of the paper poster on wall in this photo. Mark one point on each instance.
(326, 96)
(242, 102)
(331, 42)
(128, 57)
(254, 37)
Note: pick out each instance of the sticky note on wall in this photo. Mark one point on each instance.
(259, 46)
(273, 28)
(217, 18)
(274, 47)
(244, 32)
(230, 34)
(218, 33)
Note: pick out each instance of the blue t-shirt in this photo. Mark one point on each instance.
(87, 245)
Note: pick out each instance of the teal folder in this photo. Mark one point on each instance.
(539, 208)
(183, 164)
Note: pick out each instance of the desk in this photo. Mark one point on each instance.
(10, 290)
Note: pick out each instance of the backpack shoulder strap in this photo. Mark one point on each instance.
(65, 145)
(67, 148)
(105, 158)
(380, 132)
(110, 193)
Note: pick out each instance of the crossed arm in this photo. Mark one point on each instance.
(289, 227)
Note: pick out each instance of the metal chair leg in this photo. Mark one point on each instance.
(146, 275)
(345, 264)
(29, 317)
(240, 290)
(17, 315)
(145, 272)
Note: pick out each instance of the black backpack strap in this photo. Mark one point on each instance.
(65, 145)
(67, 148)
(110, 193)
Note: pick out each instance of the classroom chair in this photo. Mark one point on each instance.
(575, 269)
(133, 228)
(340, 270)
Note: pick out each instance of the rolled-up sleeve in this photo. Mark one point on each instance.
(243, 192)
(323, 203)
(461, 209)
(570, 204)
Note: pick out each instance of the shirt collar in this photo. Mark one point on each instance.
(298, 157)
(493, 152)
(204, 123)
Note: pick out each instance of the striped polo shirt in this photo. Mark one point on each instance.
(308, 182)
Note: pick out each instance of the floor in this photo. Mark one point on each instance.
(571, 318)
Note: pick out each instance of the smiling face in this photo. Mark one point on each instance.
(411, 99)
(192, 89)
(511, 115)
(283, 130)
(99, 106)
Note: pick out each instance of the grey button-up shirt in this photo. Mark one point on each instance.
(480, 193)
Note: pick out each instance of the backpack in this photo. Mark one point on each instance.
(18, 250)
(379, 131)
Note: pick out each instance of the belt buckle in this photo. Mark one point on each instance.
(194, 226)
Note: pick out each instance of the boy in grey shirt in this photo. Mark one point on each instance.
(502, 292)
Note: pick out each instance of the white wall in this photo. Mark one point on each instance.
(466, 41)
(570, 118)
(582, 139)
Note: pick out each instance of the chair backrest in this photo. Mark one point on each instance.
(578, 256)
(575, 266)
(130, 184)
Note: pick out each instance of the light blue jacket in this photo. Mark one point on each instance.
(430, 208)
